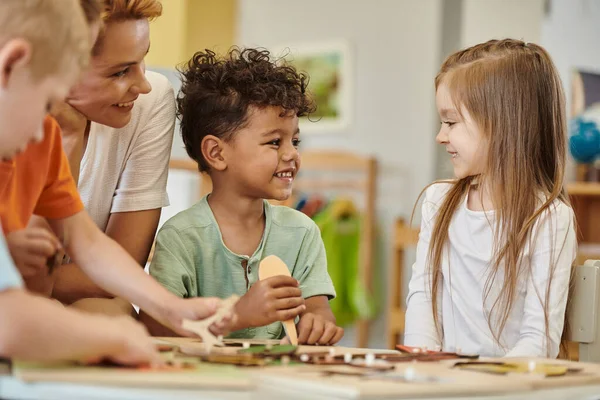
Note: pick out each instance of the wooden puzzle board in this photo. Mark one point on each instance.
(316, 383)
(589, 375)
(195, 346)
(202, 376)
(450, 383)
(308, 381)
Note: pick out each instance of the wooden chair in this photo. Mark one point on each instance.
(347, 174)
(404, 236)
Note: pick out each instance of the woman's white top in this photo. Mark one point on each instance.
(126, 169)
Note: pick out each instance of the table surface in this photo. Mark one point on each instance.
(265, 384)
(12, 388)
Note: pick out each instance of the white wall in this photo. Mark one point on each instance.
(395, 45)
(497, 19)
(570, 33)
(468, 22)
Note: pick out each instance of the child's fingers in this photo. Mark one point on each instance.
(284, 315)
(226, 320)
(286, 292)
(139, 348)
(222, 327)
(43, 234)
(282, 281)
(339, 334)
(197, 308)
(31, 269)
(217, 329)
(140, 355)
(41, 248)
(316, 332)
(288, 303)
(329, 332)
(202, 307)
(304, 328)
(183, 332)
(34, 260)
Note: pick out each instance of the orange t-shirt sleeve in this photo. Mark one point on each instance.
(59, 198)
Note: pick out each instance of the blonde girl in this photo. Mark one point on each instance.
(497, 243)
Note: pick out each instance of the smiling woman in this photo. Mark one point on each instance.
(116, 78)
(117, 130)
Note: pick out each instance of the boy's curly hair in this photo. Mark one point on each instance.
(216, 93)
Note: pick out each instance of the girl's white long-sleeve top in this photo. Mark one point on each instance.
(461, 306)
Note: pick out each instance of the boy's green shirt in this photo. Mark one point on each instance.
(191, 260)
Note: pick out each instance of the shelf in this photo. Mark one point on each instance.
(583, 189)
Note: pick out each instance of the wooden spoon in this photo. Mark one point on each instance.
(274, 266)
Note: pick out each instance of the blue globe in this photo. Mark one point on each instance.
(584, 142)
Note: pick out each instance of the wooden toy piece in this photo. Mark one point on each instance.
(201, 327)
(274, 351)
(250, 342)
(164, 347)
(244, 360)
(416, 353)
(503, 368)
(274, 266)
(170, 366)
(202, 349)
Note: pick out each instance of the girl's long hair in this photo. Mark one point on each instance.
(513, 93)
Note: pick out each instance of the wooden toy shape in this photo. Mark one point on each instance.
(274, 266)
(201, 327)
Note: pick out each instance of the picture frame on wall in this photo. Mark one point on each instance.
(329, 67)
(585, 94)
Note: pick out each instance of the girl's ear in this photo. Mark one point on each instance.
(213, 152)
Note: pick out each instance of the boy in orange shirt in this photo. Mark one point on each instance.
(39, 181)
(36, 68)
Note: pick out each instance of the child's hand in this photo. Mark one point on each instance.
(133, 344)
(197, 308)
(315, 329)
(274, 299)
(30, 249)
(225, 325)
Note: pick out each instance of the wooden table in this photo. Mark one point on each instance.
(294, 381)
(11, 388)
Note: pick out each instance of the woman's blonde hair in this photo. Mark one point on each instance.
(513, 93)
(123, 10)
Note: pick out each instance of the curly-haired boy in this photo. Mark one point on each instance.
(239, 122)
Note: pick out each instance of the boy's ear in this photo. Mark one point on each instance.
(212, 150)
(14, 54)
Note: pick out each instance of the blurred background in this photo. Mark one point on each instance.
(373, 63)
